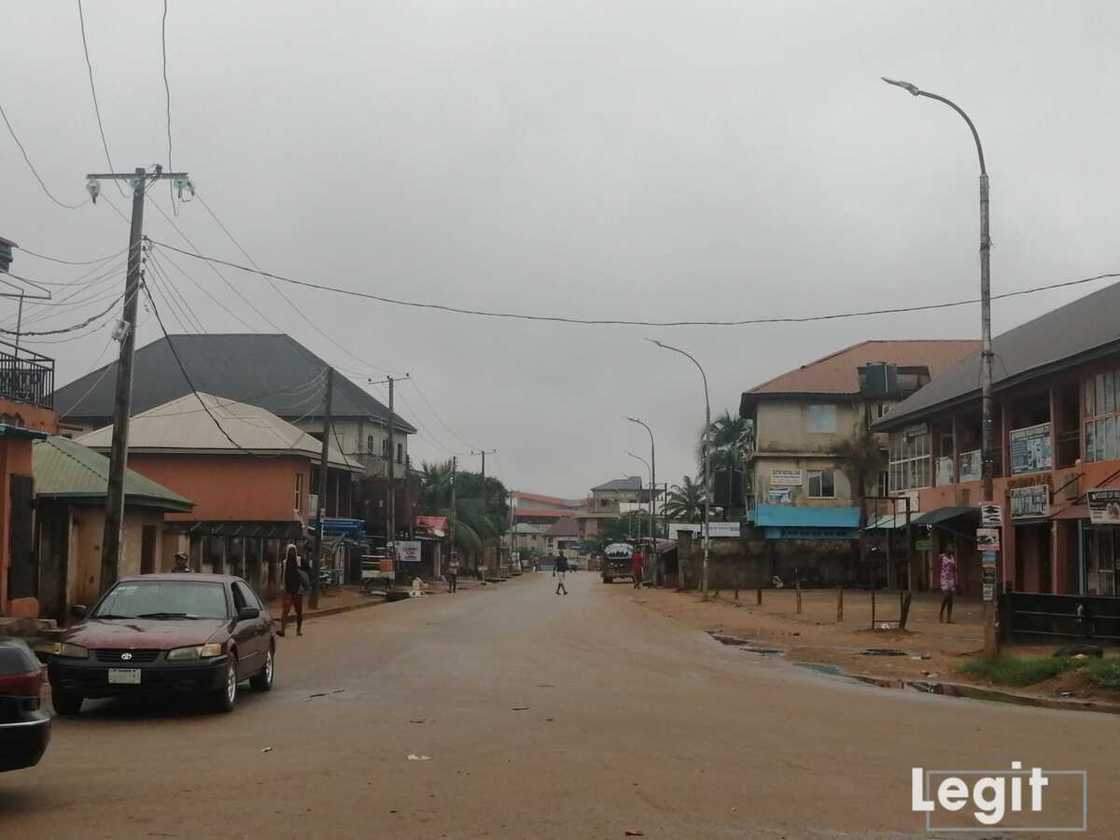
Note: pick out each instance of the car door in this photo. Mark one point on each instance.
(246, 633)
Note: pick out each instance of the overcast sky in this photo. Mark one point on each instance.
(598, 159)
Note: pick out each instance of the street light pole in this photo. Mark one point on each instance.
(987, 460)
(652, 475)
(704, 446)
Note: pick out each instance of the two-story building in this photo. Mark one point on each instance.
(1056, 458)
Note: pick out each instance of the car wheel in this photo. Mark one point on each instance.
(66, 703)
(262, 680)
(226, 697)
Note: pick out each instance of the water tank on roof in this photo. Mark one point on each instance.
(878, 380)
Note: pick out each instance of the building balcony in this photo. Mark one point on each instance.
(26, 377)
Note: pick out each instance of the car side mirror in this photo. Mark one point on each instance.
(248, 613)
(78, 611)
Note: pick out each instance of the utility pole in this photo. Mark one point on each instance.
(485, 506)
(451, 527)
(321, 501)
(122, 402)
(390, 494)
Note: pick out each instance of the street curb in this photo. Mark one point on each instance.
(360, 605)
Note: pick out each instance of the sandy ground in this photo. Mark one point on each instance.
(535, 716)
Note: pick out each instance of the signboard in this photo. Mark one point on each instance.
(1031, 449)
(991, 515)
(987, 539)
(779, 495)
(970, 469)
(716, 530)
(923, 545)
(408, 551)
(1030, 502)
(988, 574)
(786, 478)
(1104, 507)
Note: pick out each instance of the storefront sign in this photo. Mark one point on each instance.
(1104, 507)
(970, 466)
(923, 545)
(987, 539)
(716, 530)
(1030, 502)
(786, 478)
(408, 551)
(991, 515)
(1031, 449)
(779, 495)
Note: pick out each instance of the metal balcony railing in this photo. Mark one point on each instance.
(26, 376)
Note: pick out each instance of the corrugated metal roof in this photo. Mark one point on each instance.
(1061, 335)
(183, 425)
(631, 483)
(64, 469)
(268, 370)
(796, 516)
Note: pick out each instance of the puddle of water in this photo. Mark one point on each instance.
(831, 670)
(884, 652)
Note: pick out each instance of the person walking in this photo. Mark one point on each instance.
(636, 567)
(293, 590)
(453, 574)
(948, 585)
(561, 571)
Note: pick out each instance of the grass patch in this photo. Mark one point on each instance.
(1011, 670)
(1104, 672)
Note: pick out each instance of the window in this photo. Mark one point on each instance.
(239, 600)
(299, 492)
(821, 484)
(909, 464)
(821, 419)
(1102, 416)
(400, 453)
(369, 444)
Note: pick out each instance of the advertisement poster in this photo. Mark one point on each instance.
(1031, 449)
(1030, 502)
(991, 515)
(779, 495)
(786, 478)
(1104, 507)
(408, 551)
(970, 466)
(987, 539)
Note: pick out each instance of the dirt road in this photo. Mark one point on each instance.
(541, 717)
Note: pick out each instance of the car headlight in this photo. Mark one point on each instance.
(70, 651)
(195, 652)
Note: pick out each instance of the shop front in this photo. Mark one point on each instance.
(1100, 543)
(1032, 543)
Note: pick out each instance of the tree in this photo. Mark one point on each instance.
(481, 509)
(862, 457)
(685, 502)
(730, 441)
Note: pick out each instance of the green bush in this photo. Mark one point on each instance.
(1104, 672)
(1010, 670)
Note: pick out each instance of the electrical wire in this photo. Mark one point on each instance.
(35, 171)
(72, 327)
(93, 93)
(436, 414)
(564, 319)
(170, 289)
(225, 308)
(309, 321)
(167, 91)
(69, 262)
(93, 387)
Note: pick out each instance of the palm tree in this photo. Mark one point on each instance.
(435, 484)
(475, 522)
(730, 440)
(685, 501)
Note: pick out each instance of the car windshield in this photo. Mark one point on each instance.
(164, 599)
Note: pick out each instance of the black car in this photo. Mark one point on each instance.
(166, 634)
(24, 729)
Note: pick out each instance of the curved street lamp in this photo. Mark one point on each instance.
(991, 617)
(652, 474)
(704, 446)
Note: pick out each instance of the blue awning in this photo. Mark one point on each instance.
(796, 516)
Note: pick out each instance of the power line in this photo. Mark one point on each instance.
(564, 319)
(69, 262)
(280, 291)
(96, 382)
(167, 91)
(35, 171)
(93, 93)
(71, 328)
(207, 292)
(436, 414)
(172, 291)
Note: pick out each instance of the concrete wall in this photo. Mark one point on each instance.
(844, 493)
(754, 562)
(83, 584)
(26, 416)
(783, 426)
(230, 487)
(15, 459)
(353, 434)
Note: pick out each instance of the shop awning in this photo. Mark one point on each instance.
(887, 521)
(944, 514)
(793, 522)
(1071, 512)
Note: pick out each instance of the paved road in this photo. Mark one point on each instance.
(630, 723)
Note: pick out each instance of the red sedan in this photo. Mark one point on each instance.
(167, 634)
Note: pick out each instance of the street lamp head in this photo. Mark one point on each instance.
(914, 89)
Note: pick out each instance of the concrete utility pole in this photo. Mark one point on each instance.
(987, 454)
(705, 458)
(122, 401)
(321, 503)
(485, 506)
(390, 494)
(451, 524)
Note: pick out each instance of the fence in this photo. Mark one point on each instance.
(27, 378)
(1040, 617)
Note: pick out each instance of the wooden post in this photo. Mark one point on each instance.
(872, 609)
(797, 587)
(758, 596)
(839, 604)
(904, 610)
